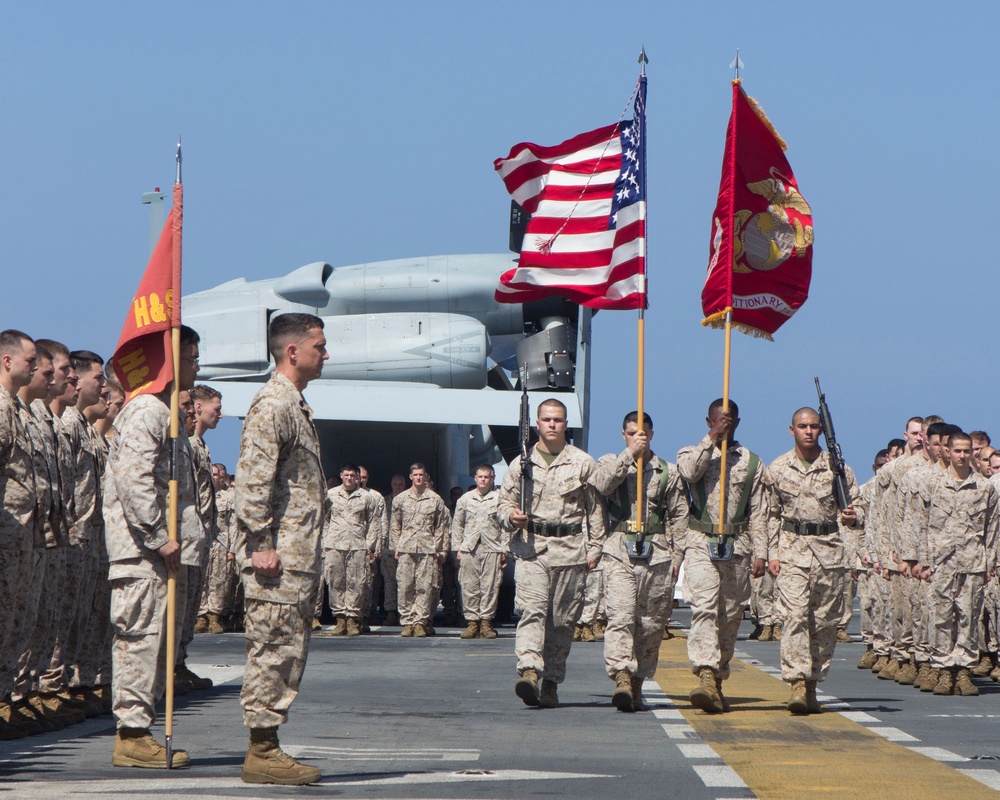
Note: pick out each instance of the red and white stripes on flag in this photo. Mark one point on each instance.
(586, 239)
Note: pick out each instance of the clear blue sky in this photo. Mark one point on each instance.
(349, 132)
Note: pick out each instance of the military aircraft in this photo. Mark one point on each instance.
(424, 363)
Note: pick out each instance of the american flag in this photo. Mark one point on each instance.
(586, 239)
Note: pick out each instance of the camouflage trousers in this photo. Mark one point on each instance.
(94, 659)
(220, 582)
(375, 587)
(865, 578)
(550, 599)
(391, 591)
(593, 597)
(879, 598)
(990, 641)
(348, 575)
(77, 641)
(277, 636)
(850, 592)
(811, 601)
(902, 596)
(15, 573)
(956, 607)
(35, 657)
(718, 592)
(138, 650)
(480, 576)
(418, 579)
(34, 614)
(187, 610)
(638, 595)
(922, 611)
(762, 600)
(56, 676)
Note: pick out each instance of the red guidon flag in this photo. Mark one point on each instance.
(586, 239)
(760, 256)
(143, 359)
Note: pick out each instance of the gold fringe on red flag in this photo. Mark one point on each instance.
(763, 118)
(718, 321)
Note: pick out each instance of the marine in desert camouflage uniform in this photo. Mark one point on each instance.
(555, 544)
(141, 555)
(809, 558)
(719, 561)
(481, 548)
(639, 585)
(280, 508)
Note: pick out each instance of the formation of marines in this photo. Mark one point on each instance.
(85, 554)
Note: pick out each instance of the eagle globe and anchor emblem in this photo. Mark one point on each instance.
(767, 239)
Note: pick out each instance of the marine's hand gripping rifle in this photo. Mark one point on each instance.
(836, 457)
(524, 440)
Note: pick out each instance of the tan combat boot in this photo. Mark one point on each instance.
(135, 747)
(353, 627)
(844, 636)
(48, 721)
(183, 673)
(812, 703)
(548, 697)
(908, 674)
(419, 631)
(881, 664)
(407, 631)
(267, 763)
(766, 634)
(340, 629)
(201, 626)
(622, 698)
(946, 682)
(577, 633)
(471, 630)
(931, 681)
(964, 685)
(316, 624)
(486, 629)
(923, 670)
(706, 695)
(214, 625)
(526, 687)
(868, 659)
(50, 705)
(598, 630)
(798, 703)
(13, 725)
(722, 698)
(984, 667)
(995, 674)
(638, 703)
(888, 672)
(76, 698)
(587, 634)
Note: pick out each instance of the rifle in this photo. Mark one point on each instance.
(524, 440)
(836, 457)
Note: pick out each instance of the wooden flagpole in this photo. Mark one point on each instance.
(641, 335)
(719, 525)
(175, 408)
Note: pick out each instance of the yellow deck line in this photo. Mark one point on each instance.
(779, 756)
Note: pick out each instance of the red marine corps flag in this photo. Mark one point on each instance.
(143, 360)
(760, 258)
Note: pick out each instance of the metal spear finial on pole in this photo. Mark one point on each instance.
(737, 64)
(178, 180)
(643, 61)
